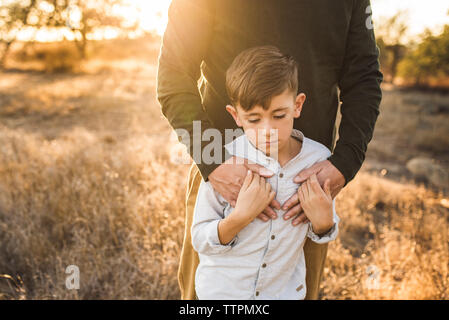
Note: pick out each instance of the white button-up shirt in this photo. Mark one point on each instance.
(265, 260)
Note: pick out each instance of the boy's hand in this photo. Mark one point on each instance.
(227, 179)
(323, 170)
(317, 204)
(254, 196)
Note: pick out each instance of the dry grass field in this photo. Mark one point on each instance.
(86, 179)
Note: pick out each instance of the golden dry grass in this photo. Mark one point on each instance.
(394, 243)
(86, 179)
(112, 209)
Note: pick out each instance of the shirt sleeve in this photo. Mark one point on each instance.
(184, 45)
(331, 234)
(209, 210)
(360, 93)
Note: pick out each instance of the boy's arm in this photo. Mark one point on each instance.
(253, 197)
(228, 228)
(208, 213)
(329, 235)
(211, 232)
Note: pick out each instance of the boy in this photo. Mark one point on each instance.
(242, 257)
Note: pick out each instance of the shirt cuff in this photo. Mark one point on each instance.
(327, 237)
(214, 241)
(347, 161)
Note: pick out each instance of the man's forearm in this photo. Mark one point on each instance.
(360, 94)
(183, 47)
(181, 112)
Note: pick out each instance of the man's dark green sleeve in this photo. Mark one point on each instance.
(360, 93)
(185, 42)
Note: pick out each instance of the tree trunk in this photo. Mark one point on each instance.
(81, 45)
(396, 51)
(4, 54)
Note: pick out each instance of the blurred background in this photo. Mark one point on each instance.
(86, 170)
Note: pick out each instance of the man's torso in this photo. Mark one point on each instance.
(313, 32)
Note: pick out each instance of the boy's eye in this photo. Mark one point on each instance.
(253, 120)
(280, 116)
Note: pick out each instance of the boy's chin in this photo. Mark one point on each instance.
(270, 149)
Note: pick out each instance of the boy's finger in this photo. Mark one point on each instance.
(305, 190)
(248, 179)
(255, 180)
(300, 195)
(267, 187)
(308, 191)
(314, 182)
(261, 182)
(315, 186)
(272, 195)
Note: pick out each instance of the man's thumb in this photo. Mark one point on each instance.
(261, 170)
(303, 175)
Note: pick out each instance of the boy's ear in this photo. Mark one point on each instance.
(300, 99)
(234, 114)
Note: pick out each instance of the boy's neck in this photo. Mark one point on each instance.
(289, 151)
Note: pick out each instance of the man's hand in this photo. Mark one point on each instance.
(323, 170)
(227, 179)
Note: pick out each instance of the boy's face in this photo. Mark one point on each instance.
(270, 130)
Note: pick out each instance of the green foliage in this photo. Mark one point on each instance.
(428, 59)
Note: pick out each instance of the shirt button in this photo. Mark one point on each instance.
(272, 237)
(257, 293)
(281, 175)
(264, 265)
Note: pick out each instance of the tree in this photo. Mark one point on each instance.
(92, 15)
(14, 16)
(391, 39)
(429, 58)
(81, 17)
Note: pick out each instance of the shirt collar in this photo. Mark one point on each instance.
(241, 147)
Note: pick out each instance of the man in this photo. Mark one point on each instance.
(334, 45)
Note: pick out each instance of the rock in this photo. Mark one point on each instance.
(428, 106)
(427, 168)
(435, 108)
(443, 109)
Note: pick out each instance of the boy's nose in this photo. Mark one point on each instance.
(269, 133)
